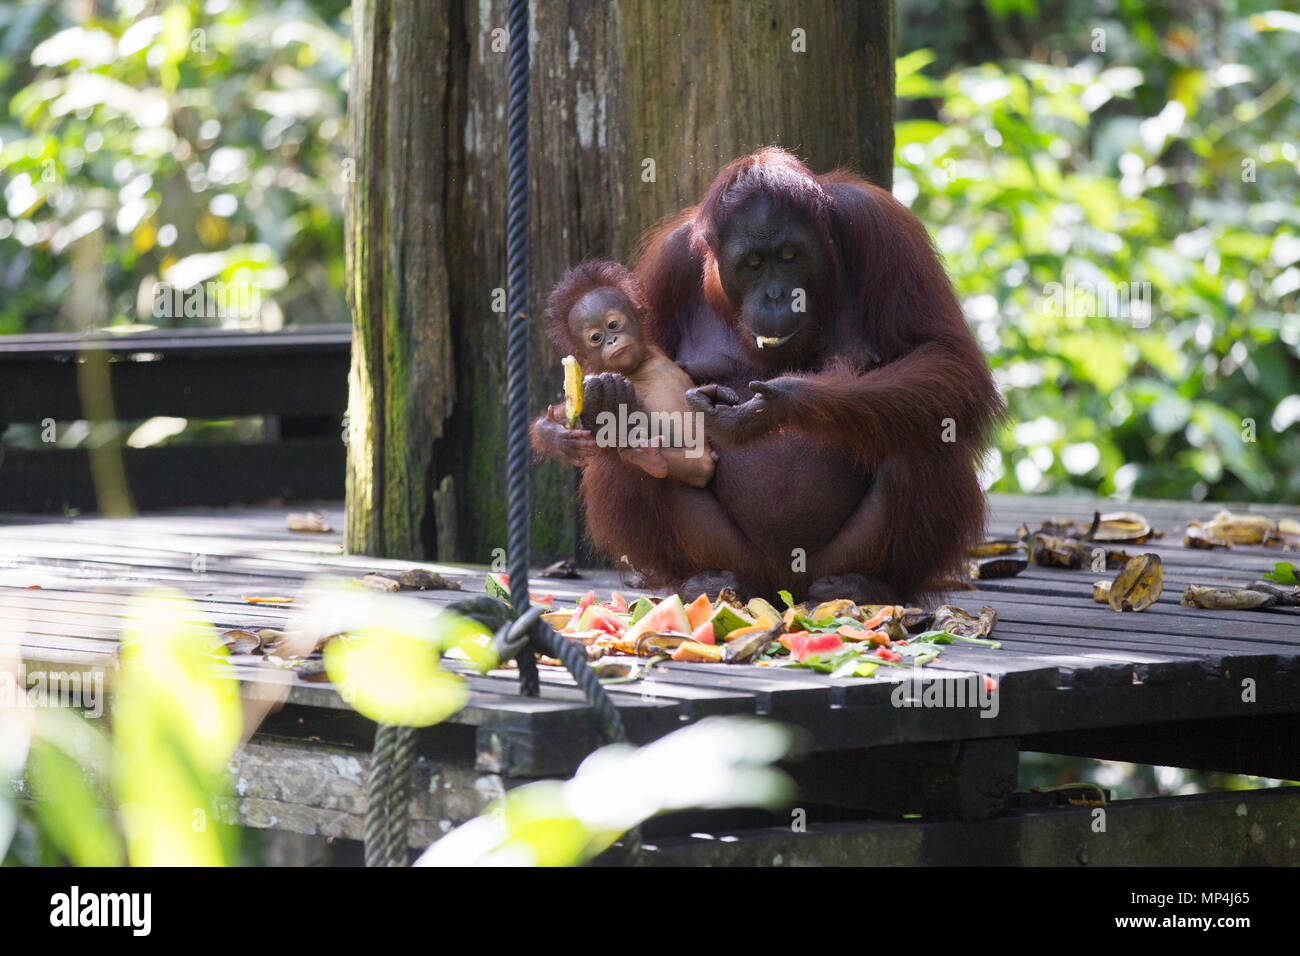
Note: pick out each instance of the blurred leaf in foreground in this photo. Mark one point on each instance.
(718, 762)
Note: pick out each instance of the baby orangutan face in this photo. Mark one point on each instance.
(604, 324)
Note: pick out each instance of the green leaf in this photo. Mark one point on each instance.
(1283, 573)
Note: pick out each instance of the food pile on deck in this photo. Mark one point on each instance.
(838, 637)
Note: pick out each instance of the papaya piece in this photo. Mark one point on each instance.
(851, 633)
(699, 611)
(740, 632)
(695, 651)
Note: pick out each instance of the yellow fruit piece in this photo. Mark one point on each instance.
(572, 390)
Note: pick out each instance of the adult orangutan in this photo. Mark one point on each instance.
(845, 396)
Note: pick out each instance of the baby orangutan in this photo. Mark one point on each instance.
(632, 393)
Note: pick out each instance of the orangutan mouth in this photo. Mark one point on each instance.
(764, 342)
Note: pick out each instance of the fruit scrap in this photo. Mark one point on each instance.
(1197, 537)
(851, 633)
(421, 579)
(572, 390)
(1226, 529)
(267, 600)
(497, 585)
(241, 642)
(727, 619)
(565, 568)
(1121, 526)
(962, 624)
(839, 608)
(1226, 599)
(888, 619)
(1237, 528)
(699, 611)
(654, 645)
(1005, 566)
(1101, 592)
(695, 651)
(1057, 552)
(763, 612)
(998, 549)
(751, 645)
(1289, 595)
(311, 521)
(1113, 527)
(1138, 585)
(803, 645)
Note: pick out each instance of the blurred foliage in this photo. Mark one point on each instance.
(1110, 146)
(147, 793)
(185, 142)
(1132, 781)
(717, 762)
(1128, 147)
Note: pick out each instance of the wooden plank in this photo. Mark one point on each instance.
(171, 475)
(1263, 746)
(1202, 830)
(214, 374)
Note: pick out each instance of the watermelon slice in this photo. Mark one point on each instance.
(597, 618)
(498, 586)
(704, 634)
(727, 619)
(617, 603)
(667, 615)
(640, 608)
(803, 645)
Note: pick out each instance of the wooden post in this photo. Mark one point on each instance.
(635, 105)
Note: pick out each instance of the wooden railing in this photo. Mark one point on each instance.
(296, 380)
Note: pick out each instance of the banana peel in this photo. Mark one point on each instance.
(1138, 585)
(1226, 599)
(572, 390)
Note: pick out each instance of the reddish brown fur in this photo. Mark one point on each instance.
(893, 359)
(577, 282)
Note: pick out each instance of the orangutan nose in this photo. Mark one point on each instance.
(775, 293)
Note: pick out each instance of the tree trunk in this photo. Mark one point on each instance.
(634, 107)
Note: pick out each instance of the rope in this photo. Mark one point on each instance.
(389, 785)
(518, 455)
(530, 630)
(388, 792)
(529, 633)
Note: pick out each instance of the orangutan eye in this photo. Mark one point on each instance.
(787, 253)
(615, 324)
(596, 338)
(752, 261)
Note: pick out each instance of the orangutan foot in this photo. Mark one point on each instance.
(708, 582)
(858, 588)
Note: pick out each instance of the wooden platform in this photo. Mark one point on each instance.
(1164, 686)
